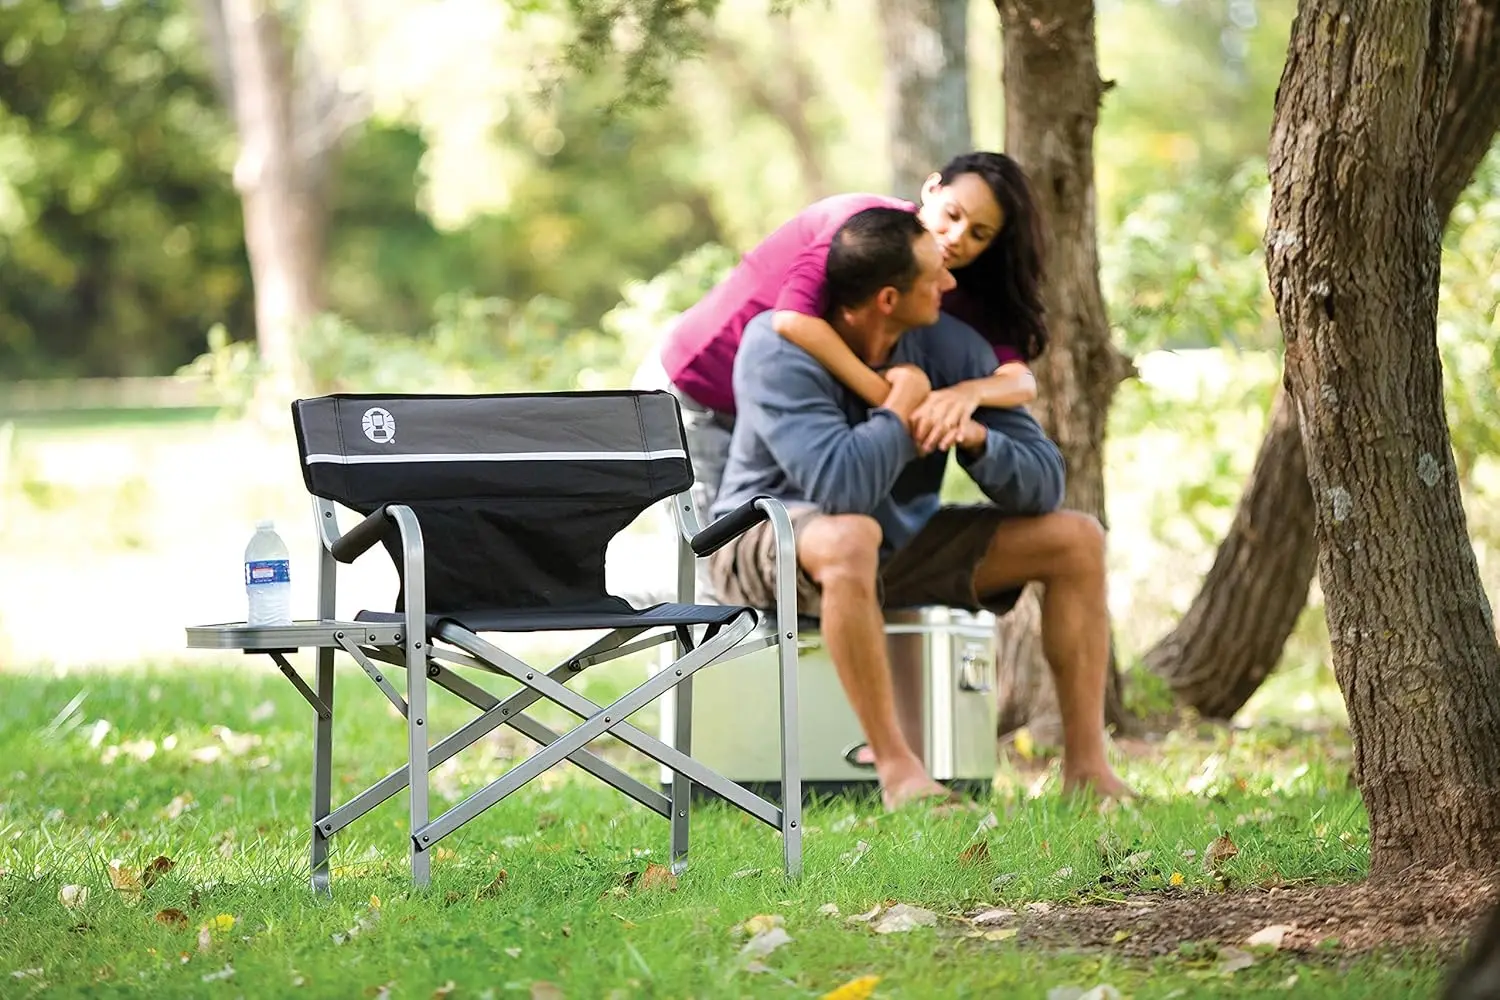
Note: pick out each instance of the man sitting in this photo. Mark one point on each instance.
(871, 530)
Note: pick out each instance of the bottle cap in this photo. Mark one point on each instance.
(266, 525)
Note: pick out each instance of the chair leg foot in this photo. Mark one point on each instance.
(421, 868)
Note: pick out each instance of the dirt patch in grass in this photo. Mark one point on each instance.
(1441, 910)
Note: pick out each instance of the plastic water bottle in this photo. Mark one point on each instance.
(268, 580)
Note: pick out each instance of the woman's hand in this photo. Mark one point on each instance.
(937, 423)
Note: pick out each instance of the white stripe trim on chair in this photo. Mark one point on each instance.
(503, 456)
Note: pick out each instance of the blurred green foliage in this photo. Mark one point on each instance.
(120, 236)
(498, 222)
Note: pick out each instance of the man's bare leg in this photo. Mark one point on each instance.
(842, 553)
(1065, 552)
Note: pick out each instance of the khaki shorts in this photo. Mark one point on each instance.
(935, 569)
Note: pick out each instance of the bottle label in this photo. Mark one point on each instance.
(267, 571)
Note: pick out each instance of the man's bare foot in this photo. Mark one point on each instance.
(1101, 782)
(905, 782)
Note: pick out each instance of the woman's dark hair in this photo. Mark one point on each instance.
(1003, 286)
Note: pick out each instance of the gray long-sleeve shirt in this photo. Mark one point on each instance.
(803, 438)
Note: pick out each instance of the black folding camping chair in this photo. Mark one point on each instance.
(497, 511)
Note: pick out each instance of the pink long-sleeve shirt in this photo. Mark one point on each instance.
(787, 271)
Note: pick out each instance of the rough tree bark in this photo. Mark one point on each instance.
(926, 87)
(1052, 96)
(1233, 634)
(1353, 252)
(1471, 109)
(291, 120)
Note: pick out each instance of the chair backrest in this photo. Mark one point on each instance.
(518, 495)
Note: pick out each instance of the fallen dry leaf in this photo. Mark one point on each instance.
(494, 887)
(179, 805)
(746, 873)
(976, 853)
(657, 877)
(1219, 850)
(764, 942)
(1103, 991)
(864, 918)
(902, 918)
(760, 923)
(1001, 934)
(156, 869)
(175, 919)
(224, 973)
(855, 989)
(543, 990)
(73, 896)
(444, 991)
(1271, 936)
(852, 858)
(829, 909)
(126, 882)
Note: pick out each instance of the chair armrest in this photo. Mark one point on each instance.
(357, 540)
(729, 527)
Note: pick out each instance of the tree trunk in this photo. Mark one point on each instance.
(1052, 95)
(926, 87)
(1234, 632)
(786, 98)
(281, 189)
(1471, 110)
(1353, 252)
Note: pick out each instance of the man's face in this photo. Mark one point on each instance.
(919, 306)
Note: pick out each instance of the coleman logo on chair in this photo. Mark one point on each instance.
(379, 426)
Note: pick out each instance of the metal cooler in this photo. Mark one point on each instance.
(735, 706)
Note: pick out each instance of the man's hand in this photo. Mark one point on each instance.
(972, 436)
(937, 422)
(909, 387)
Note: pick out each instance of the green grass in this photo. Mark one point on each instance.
(135, 770)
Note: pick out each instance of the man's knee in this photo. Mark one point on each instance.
(841, 549)
(1080, 538)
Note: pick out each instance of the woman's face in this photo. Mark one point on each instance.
(963, 215)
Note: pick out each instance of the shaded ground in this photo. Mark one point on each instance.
(1437, 910)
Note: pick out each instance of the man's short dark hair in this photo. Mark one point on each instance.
(871, 251)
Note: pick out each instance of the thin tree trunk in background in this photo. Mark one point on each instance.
(1471, 110)
(1233, 634)
(1234, 631)
(785, 98)
(1353, 249)
(926, 87)
(1052, 97)
(281, 189)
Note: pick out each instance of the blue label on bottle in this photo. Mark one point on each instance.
(267, 571)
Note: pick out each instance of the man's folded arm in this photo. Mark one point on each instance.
(1020, 469)
(843, 469)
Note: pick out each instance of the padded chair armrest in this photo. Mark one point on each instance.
(729, 527)
(357, 540)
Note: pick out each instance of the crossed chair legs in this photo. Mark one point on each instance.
(471, 650)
